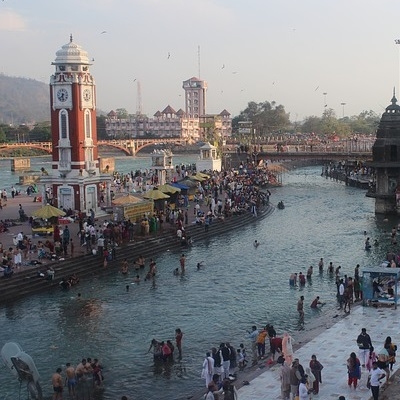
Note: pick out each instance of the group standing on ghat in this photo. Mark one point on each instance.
(297, 382)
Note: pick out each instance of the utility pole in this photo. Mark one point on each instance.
(343, 104)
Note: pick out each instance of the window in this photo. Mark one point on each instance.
(88, 125)
(63, 124)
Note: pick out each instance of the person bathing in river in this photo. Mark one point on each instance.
(256, 243)
(316, 302)
(302, 279)
(367, 244)
(293, 279)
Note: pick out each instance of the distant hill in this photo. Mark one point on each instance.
(23, 101)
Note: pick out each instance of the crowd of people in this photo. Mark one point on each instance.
(88, 371)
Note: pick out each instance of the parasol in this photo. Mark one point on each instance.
(128, 199)
(155, 194)
(197, 178)
(48, 211)
(166, 188)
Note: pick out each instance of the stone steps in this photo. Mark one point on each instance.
(25, 282)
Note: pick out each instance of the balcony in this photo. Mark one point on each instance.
(90, 166)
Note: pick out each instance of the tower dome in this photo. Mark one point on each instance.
(71, 53)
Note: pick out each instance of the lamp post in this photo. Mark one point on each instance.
(325, 105)
(343, 104)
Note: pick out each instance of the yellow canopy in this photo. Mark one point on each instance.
(128, 199)
(48, 211)
(202, 174)
(155, 194)
(166, 188)
(197, 178)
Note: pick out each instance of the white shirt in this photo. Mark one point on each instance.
(341, 289)
(303, 392)
(375, 375)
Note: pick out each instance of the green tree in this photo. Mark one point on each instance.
(311, 124)
(122, 113)
(101, 127)
(41, 132)
(266, 117)
(366, 122)
(3, 137)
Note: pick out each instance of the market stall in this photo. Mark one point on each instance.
(380, 286)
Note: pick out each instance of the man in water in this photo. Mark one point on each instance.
(182, 262)
(256, 244)
(57, 385)
(178, 340)
(315, 303)
(300, 307)
(70, 379)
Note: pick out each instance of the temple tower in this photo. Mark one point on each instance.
(386, 161)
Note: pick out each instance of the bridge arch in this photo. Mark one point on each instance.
(106, 143)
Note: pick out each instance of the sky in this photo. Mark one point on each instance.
(302, 54)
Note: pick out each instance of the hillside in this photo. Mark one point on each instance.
(23, 101)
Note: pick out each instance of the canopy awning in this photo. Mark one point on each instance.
(180, 186)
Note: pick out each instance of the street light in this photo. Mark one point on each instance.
(325, 105)
(343, 104)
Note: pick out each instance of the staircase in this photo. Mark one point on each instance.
(27, 282)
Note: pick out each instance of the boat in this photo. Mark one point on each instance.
(281, 206)
(22, 366)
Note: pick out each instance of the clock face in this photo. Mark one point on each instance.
(87, 95)
(62, 95)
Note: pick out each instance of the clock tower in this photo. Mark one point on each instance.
(75, 179)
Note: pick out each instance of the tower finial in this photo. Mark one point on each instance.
(394, 100)
(70, 38)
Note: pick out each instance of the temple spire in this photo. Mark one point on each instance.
(70, 38)
(394, 100)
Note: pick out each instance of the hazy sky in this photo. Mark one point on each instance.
(288, 51)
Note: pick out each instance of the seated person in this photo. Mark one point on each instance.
(8, 271)
(65, 284)
(50, 273)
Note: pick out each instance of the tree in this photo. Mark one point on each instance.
(366, 122)
(266, 117)
(122, 113)
(3, 137)
(41, 132)
(101, 127)
(311, 124)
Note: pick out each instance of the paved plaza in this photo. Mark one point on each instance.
(332, 348)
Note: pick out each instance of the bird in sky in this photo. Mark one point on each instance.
(316, 88)
(169, 55)
(103, 32)
(134, 80)
(92, 59)
(242, 90)
(273, 82)
(235, 72)
(223, 66)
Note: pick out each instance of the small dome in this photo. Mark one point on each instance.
(71, 53)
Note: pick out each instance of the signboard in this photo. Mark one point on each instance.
(133, 211)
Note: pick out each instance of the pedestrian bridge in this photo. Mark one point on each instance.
(128, 146)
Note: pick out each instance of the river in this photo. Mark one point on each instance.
(239, 286)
